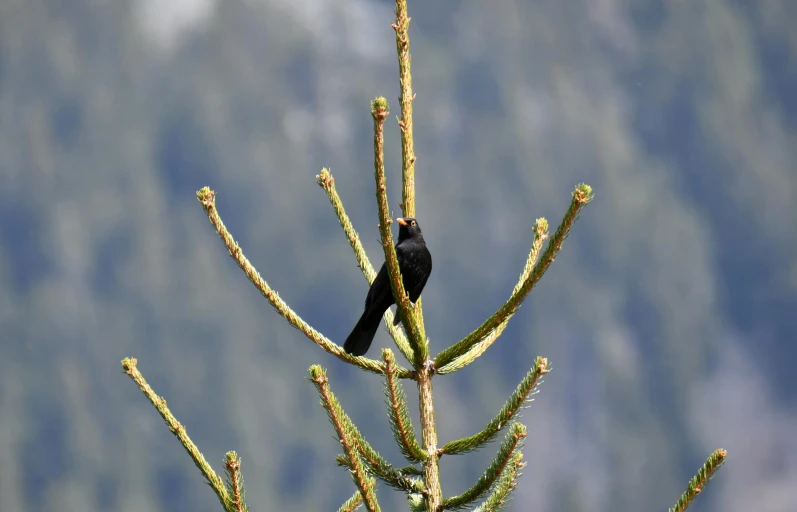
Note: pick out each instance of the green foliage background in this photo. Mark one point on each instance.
(668, 318)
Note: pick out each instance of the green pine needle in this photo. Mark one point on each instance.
(400, 422)
(352, 503)
(509, 447)
(410, 470)
(235, 483)
(346, 434)
(506, 484)
(504, 416)
(703, 476)
(374, 462)
(378, 467)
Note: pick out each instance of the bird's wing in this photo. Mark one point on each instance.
(402, 250)
(424, 259)
(416, 291)
(380, 295)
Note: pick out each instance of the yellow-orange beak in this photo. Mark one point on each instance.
(401, 221)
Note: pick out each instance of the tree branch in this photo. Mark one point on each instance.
(207, 198)
(400, 422)
(540, 235)
(412, 319)
(512, 444)
(326, 181)
(519, 397)
(431, 466)
(506, 484)
(388, 474)
(377, 464)
(581, 196)
(412, 322)
(406, 97)
(235, 482)
(335, 412)
(216, 483)
(352, 503)
(703, 476)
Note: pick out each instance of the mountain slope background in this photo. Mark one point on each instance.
(668, 317)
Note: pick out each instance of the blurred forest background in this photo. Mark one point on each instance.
(669, 318)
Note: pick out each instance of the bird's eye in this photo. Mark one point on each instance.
(412, 223)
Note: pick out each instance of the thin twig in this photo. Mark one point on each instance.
(352, 503)
(399, 416)
(698, 483)
(391, 476)
(216, 483)
(504, 487)
(364, 484)
(235, 482)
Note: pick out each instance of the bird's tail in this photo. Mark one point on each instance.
(363, 334)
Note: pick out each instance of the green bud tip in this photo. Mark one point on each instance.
(583, 193)
(316, 371)
(518, 429)
(205, 196)
(379, 105)
(324, 178)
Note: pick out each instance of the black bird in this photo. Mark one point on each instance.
(415, 264)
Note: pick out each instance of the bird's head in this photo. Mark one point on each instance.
(408, 228)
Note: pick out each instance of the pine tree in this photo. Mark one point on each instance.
(420, 478)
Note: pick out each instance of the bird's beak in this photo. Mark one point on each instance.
(401, 221)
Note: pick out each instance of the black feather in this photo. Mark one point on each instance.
(415, 264)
